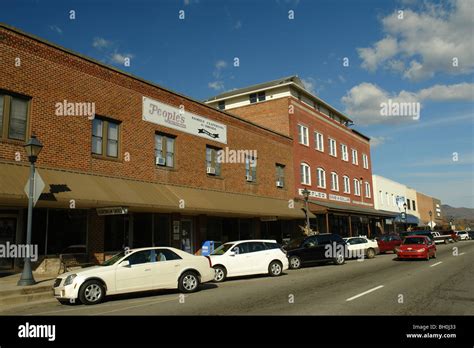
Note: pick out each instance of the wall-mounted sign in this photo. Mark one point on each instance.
(339, 198)
(362, 203)
(314, 193)
(112, 211)
(185, 121)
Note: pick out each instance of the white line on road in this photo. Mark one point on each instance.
(461, 254)
(436, 264)
(364, 293)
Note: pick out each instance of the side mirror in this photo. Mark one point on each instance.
(125, 263)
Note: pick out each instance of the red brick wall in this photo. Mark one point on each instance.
(50, 75)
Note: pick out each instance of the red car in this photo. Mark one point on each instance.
(416, 247)
(389, 242)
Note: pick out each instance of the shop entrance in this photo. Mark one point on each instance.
(187, 235)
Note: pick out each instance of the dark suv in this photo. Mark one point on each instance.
(326, 247)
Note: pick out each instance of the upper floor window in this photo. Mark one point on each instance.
(334, 181)
(105, 137)
(355, 157)
(13, 117)
(280, 175)
(367, 190)
(332, 147)
(164, 150)
(344, 153)
(319, 140)
(213, 163)
(357, 187)
(365, 161)
(408, 204)
(414, 206)
(303, 135)
(251, 168)
(347, 184)
(381, 197)
(254, 97)
(321, 178)
(305, 174)
(221, 105)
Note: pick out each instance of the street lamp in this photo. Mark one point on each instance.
(431, 220)
(306, 197)
(33, 148)
(406, 217)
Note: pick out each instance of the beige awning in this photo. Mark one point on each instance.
(94, 191)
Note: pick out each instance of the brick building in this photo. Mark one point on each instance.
(147, 154)
(330, 159)
(426, 205)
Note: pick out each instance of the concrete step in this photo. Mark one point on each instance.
(17, 299)
(24, 291)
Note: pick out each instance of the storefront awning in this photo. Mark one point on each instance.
(319, 207)
(94, 191)
(411, 219)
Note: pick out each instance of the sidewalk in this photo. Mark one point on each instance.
(12, 295)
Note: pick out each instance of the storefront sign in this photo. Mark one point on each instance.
(339, 198)
(185, 121)
(112, 211)
(362, 203)
(314, 194)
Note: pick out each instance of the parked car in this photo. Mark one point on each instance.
(441, 238)
(135, 270)
(471, 234)
(326, 247)
(361, 246)
(389, 242)
(463, 235)
(247, 257)
(416, 247)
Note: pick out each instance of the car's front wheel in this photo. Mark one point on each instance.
(188, 282)
(339, 260)
(91, 292)
(275, 268)
(220, 274)
(295, 262)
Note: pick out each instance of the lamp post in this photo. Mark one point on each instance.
(33, 148)
(406, 217)
(306, 197)
(431, 220)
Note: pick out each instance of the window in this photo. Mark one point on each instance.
(221, 105)
(105, 136)
(305, 174)
(367, 190)
(365, 161)
(381, 197)
(387, 197)
(414, 206)
(260, 96)
(242, 248)
(164, 150)
(280, 174)
(356, 187)
(254, 247)
(139, 257)
(303, 135)
(212, 160)
(13, 117)
(251, 167)
(332, 147)
(321, 178)
(334, 182)
(355, 159)
(347, 184)
(344, 152)
(323, 110)
(408, 204)
(319, 140)
(164, 255)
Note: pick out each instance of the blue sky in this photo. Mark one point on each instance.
(404, 56)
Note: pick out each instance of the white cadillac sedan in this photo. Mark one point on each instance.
(360, 247)
(135, 270)
(248, 257)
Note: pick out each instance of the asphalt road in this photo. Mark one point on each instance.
(441, 286)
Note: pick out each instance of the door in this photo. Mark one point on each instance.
(187, 236)
(167, 268)
(138, 275)
(241, 262)
(7, 235)
(310, 250)
(259, 257)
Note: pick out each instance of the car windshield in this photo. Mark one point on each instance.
(414, 241)
(222, 249)
(113, 259)
(295, 243)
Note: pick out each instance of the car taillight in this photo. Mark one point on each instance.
(209, 259)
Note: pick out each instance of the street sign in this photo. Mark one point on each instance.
(38, 188)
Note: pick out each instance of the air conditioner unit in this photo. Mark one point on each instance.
(211, 170)
(160, 161)
(248, 178)
(279, 183)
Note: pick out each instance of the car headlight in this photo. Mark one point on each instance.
(421, 250)
(69, 279)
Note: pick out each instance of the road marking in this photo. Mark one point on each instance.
(436, 264)
(461, 254)
(130, 307)
(364, 293)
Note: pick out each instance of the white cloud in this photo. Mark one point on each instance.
(216, 85)
(363, 101)
(425, 41)
(190, 2)
(309, 84)
(56, 29)
(238, 25)
(377, 141)
(119, 58)
(101, 43)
